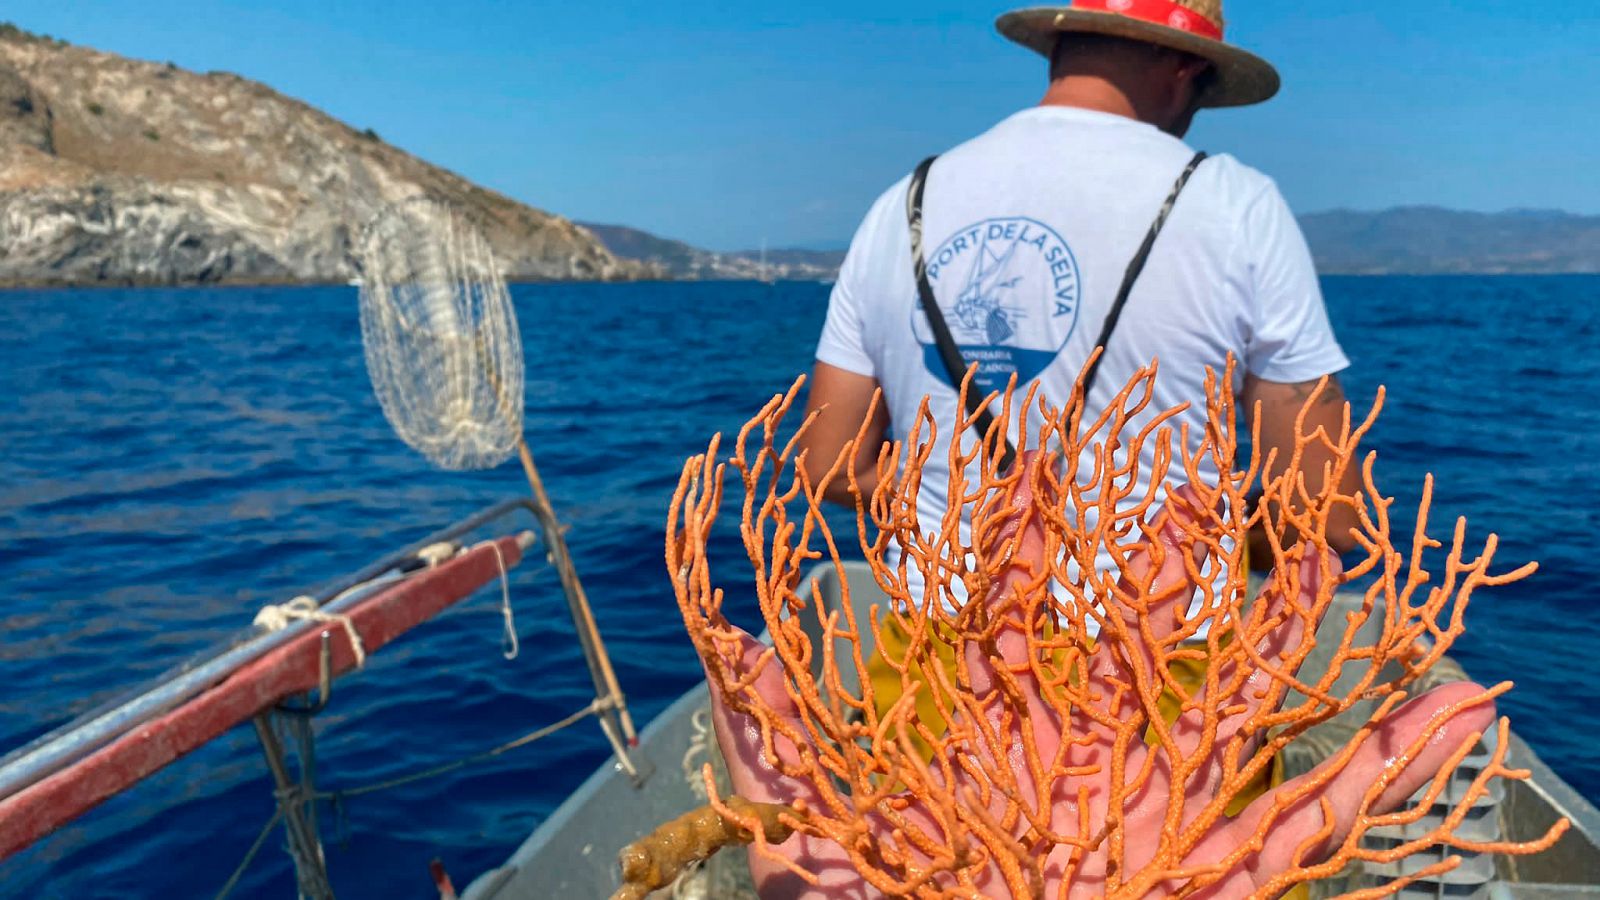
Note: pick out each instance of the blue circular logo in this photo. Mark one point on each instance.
(1009, 289)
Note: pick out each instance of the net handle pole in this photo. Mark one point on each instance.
(605, 678)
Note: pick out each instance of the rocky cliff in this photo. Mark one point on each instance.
(125, 172)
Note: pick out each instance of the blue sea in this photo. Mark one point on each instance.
(172, 460)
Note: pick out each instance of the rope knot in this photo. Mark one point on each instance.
(277, 617)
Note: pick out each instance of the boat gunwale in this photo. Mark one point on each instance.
(91, 731)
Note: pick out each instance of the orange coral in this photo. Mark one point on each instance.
(1056, 774)
(654, 861)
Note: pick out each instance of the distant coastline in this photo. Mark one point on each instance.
(121, 173)
(639, 276)
(1427, 240)
(1403, 241)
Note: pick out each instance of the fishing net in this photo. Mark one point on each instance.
(445, 357)
(441, 336)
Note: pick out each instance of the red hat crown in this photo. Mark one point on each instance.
(1172, 14)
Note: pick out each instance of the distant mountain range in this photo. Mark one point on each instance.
(676, 259)
(1418, 240)
(1425, 240)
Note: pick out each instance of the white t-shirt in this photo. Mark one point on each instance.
(1028, 232)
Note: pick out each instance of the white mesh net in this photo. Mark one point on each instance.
(441, 336)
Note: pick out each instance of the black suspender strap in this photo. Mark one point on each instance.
(954, 363)
(1134, 269)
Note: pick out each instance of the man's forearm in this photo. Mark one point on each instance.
(1312, 406)
(840, 491)
(843, 408)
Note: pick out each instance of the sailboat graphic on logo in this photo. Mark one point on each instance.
(980, 308)
(1008, 287)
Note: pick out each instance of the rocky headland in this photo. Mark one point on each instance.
(117, 171)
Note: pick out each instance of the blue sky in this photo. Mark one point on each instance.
(728, 123)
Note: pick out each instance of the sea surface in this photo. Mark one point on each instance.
(170, 461)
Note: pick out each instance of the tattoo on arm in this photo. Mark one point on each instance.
(1332, 395)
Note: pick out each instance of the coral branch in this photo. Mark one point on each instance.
(654, 861)
(1043, 739)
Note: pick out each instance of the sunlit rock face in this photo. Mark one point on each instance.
(120, 171)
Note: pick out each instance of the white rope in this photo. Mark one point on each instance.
(305, 609)
(438, 554)
(698, 752)
(511, 642)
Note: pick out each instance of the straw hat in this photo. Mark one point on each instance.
(1192, 26)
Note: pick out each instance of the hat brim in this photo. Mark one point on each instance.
(1242, 78)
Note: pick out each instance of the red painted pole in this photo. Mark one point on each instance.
(290, 669)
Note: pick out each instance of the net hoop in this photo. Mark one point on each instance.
(440, 336)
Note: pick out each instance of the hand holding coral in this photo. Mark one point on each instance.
(1054, 772)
